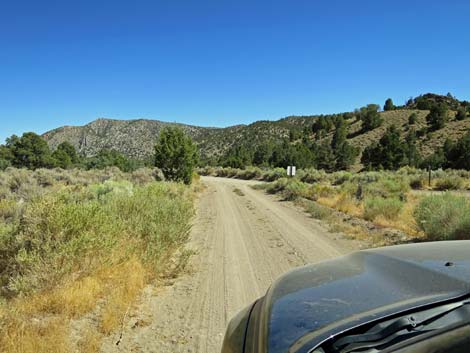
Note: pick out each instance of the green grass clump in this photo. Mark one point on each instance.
(444, 217)
(377, 206)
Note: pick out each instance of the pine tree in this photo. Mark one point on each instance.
(437, 117)
(344, 153)
(176, 155)
(389, 153)
(389, 105)
(30, 151)
(370, 117)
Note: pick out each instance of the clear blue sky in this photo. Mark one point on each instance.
(219, 63)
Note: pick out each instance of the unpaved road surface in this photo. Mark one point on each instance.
(244, 240)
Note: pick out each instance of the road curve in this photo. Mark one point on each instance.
(244, 239)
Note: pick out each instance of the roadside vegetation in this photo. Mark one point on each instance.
(175, 155)
(400, 200)
(78, 245)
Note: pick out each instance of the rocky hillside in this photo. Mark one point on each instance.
(136, 138)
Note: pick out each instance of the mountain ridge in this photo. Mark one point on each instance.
(136, 137)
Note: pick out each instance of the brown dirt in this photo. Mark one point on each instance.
(243, 242)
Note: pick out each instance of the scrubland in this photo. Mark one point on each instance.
(400, 200)
(76, 249)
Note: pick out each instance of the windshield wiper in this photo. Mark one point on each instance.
(403, 327)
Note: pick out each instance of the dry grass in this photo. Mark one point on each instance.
(405, 221)
(33, 323)
(127, 282)
(343, 203)
(90, 341)
(83, 267)
(23, 335)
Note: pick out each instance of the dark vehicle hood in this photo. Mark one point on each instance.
(310, 304)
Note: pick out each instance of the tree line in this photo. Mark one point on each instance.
(323, 145)
(175, 154)
(32, 151)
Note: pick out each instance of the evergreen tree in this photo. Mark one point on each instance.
(461, 114)
(344, 153)
(30, 151)
(437, 117)
(109, 158)
(458, 154)
(413, 157)
(322, 123)
(65, 155)
(389, 153)
(370, 117)
(262, 154)
(325, 158)
(389, 105)
(61, 159)
(176, 155)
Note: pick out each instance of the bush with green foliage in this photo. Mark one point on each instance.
(449, 183)
(444, 217)
(412, 118)
(389, 208)
(75, 228)
(461, 114)
(176, 155)
(318, 211)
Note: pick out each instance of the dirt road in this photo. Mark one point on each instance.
(244, 240)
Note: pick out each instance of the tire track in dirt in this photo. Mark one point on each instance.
(244, 241)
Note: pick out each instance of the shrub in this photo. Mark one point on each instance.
(273, 174)
(340, 178)
(449, 183)
(249, 173)
(444, 217)
(387, 187)
(417, 183)
(277, 186)
(312, 175)
(412, 118)
(295, 189)
(142, 176)
(388, 208)
(318, 211)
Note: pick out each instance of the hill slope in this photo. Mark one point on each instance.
(136, 138)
